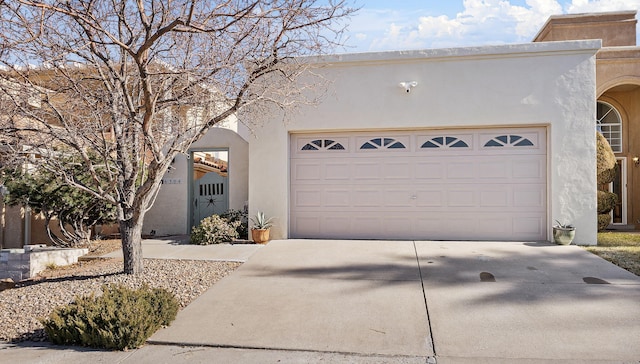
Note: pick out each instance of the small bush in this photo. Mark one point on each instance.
(603, 221)
(606, 201)
(605, 160)
(233, 216)
(214, 230)
(119, 319)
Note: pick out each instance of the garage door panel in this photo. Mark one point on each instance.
(396, 226)
(308, 198)
(307, 226)
(307, 171)
(398, 171)
(492, 169)
(337, 171)
(398, 197)
(366, 171)
(468, 227)
(461, 171)
(530, 197)
(485, 186)
(495, 198)
(495, 224)
(367, 198)
(368, 224)
(430, 198)
(334, 224)
(429, 171)
(461, 198)
(528, 168)
(426, 227)
(337, 198)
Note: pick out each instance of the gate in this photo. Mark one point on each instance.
(210, 196)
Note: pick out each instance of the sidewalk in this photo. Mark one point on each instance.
(178, 247)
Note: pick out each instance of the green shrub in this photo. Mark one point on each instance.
(606, 169)
(603, 221)
(121, 318)
(233, 216)
(606, 201)
(214, 230)
(605, 160)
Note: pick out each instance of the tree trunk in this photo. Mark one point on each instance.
(131, 234)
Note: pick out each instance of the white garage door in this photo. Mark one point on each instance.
(487, 184)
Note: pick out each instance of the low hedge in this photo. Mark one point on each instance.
(120, 318)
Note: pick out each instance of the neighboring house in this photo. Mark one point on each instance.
(20, 226)
(618, 95)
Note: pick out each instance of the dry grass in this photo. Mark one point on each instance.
(621, 249)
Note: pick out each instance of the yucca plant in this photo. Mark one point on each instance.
(261, 222)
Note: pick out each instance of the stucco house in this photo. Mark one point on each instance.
(481, 143)
(476, 143)
(618, 96)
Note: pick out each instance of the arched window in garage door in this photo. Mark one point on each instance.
(511, 140)
(383, 143)
(323, 144)
(445, 142)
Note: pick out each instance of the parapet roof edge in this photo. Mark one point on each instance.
(461, 52)
(631, 13)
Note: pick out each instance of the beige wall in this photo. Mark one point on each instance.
(617, 66)
(170, 215)
(548, 84)
(618, 83)
(626, 99)
(13, 227)
(615, 28)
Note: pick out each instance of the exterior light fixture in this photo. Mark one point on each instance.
(636, 160)
(408, 85)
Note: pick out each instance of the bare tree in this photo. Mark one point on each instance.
(138, 81)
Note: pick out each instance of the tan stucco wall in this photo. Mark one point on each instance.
(549, 84)
(615, 28)
(617, 66)
(626, 99)
(13, 228)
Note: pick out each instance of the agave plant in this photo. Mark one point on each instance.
(563, 226)
(260, 221)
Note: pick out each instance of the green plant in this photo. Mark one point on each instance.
(563, 226)
(606, 201)
(606, 169)
(214, 230)
(233, 216)
(71, 211)
(121, 318)
(261, 222)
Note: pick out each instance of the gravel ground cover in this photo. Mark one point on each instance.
(21, 307)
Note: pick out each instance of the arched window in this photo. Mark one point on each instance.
(609, 123)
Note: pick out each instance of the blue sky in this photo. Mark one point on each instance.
(383, 25)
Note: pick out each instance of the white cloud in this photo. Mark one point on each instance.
(584, 6)
(481, 22)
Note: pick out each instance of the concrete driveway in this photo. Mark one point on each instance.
(299, 301)
(454, 302)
